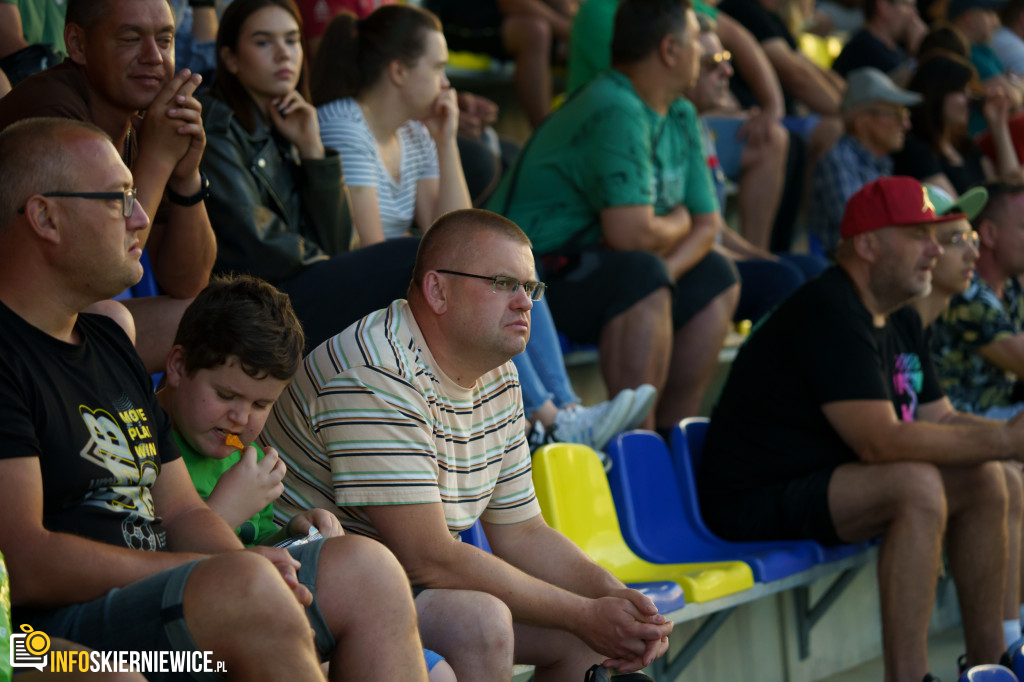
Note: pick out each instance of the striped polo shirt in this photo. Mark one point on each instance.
(370, 419)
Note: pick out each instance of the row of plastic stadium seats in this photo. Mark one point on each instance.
(642, 521)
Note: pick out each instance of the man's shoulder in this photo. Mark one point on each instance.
(382, 341)
(59, 91)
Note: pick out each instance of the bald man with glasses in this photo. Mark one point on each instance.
(409, 425)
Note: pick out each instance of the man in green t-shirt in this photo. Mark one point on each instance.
(616, 196)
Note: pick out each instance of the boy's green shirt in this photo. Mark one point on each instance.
(206, 471)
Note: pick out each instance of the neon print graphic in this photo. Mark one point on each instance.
(131, 461)
(907, 379)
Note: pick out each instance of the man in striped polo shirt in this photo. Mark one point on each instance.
(410, 425)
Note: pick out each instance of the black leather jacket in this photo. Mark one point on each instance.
(273, 213)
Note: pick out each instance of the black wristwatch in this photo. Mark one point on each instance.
(201, 3)
(192, 199)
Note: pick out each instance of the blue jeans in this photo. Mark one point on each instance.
(541, 366)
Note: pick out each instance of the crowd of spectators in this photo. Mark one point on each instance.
(405, 350)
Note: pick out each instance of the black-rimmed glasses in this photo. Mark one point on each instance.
(506, 285)
(127, 198)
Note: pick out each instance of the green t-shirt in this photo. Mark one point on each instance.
(590, 43)
(206, 471)
(604, 148)
(42, 22)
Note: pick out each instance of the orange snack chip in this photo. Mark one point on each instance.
(234, 441)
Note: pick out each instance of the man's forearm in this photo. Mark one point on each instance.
(691, 250)
(182, 251)
(530, 599)
(550, 556)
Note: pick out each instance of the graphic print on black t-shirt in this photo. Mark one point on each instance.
(907, 380)
(129, 455)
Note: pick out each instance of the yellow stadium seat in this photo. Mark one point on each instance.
(820, 50)
(575, 499)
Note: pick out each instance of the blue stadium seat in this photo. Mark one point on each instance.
(989, 672)
(667, 595)
(661, 520)
(687, 453)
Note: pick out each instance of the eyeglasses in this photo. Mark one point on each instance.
(899, 113)
(127, 198)
(506, 285)
(710, 62)
(962, 239)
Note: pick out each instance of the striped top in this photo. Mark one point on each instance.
(343, 127)
(370, 419)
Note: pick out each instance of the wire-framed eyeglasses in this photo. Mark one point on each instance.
(127, 198)
(506, 285)
(962, 239)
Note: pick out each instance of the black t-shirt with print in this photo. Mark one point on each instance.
(89, 414)
(820, 346)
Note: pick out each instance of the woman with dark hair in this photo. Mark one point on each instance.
(278, 201)
(384, 102)
(939, 149)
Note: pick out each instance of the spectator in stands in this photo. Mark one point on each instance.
(532, 32)
(237, 347)
(819, 90)
(951, 277)
(888, 41)
(876, 118)
(616, 195)
(977, 340)
(978, 21)
(1008, 40)
(106, 541)
(435, 371)
(281, 211)
(767, 278)
(384, 102)
(109, 86)
(393, 117)
(832, 426)
(31, 36)
(590, 55)
(944, 39)
(195, 35)
(939, 151)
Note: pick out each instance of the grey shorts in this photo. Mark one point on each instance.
(147, 615)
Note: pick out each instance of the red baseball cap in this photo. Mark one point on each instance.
(888, 202)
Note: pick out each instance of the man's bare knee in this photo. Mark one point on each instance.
(238, 590)
(918, 488)
(478, 624)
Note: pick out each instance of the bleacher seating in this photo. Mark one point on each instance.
(661, 520)
(575, 499)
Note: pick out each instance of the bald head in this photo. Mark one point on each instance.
(35, 157)
(453, 240)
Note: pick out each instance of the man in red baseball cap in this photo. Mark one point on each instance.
(832, 427)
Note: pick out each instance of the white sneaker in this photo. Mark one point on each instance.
(644, 397)
(594, 426)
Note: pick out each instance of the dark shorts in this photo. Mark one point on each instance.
(795, 510)
(147, 615)
(587, 288)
